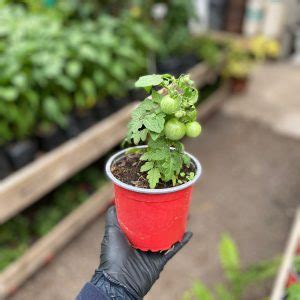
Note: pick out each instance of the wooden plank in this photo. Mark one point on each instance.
(202, 74)
(287, 262)
(44, 249)
(32, 182)
(213, 103)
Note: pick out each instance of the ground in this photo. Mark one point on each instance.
(250, 188)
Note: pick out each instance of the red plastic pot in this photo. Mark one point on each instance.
(152, 219)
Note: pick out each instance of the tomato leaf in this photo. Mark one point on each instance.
(143, 134)
(149, 80)
(147, 166)
(154, 122)
(153, 177)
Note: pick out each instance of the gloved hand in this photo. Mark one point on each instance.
(133, 269)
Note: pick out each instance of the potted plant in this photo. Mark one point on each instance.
(262, 47)
(238, 66)
(208, 50)
(153, 182)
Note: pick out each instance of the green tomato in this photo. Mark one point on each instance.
(193, 129)
(169, 105)
(179, 114)
(174, 130)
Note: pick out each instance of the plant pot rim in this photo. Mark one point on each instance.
(129, 187)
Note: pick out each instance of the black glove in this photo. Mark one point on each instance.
(133, 269)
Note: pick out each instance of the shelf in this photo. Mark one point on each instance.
(28, 185)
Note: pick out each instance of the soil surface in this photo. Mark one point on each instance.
(127, 170)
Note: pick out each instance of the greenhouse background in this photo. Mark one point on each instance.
(67, 90)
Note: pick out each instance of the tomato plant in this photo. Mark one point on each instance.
(161, 121)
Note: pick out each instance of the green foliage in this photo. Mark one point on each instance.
(208, 50)
(48, 68)
(174, 29)
(238, 62)
(164, 157)
(238, 279)
(293, 292)
(229, 257)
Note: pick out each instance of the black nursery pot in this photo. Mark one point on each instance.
(72, 129)
(137, 95)
(5, 166)
(21, 153)
(188, 61)
(102, 110)
(48, 140)
(117, 103)
(177, 65)
(85, 119)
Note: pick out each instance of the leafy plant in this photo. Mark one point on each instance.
(293, 292)
(49, 68)
(238, 62)
(161, 121)
(238, 279)
(208, 49)
(174, 27)
(262, 47)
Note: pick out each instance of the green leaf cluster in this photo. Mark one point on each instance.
(164, 158)
(238, 279)
(48, 68)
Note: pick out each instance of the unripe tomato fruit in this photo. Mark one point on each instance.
(174, 130)
(169, 105)
(179, 114)
(193, 129)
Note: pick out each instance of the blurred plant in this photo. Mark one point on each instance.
(173, 28)
(262, 47)
(14, 236)
(208, 50)
(238, 62)
(47, 68)
(239, 279)
(293, 292)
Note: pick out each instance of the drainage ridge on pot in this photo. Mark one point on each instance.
(152, 219)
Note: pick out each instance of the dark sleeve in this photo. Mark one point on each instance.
(91, 292)
(101, 288)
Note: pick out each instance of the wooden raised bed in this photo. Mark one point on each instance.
(287, 261)
(29, 184)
